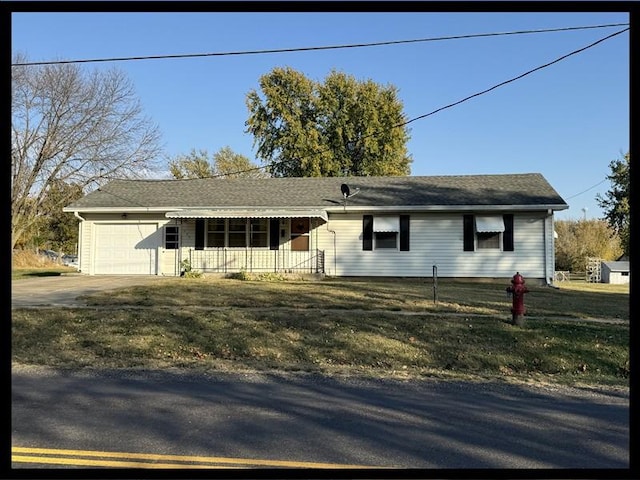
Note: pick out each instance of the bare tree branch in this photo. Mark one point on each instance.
(70, 125)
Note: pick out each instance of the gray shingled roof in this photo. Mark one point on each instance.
(617, 266)
(530, 189)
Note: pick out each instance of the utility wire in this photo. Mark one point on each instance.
(450, 105)
(514, 78)
(306, 49)
(585, 191)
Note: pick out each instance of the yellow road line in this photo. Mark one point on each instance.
(32, 455)
(106, 463)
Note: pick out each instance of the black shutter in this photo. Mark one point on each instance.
(468, 233)
(274, 234)
(507, 236)
(404, 233)
(367, 232)
(199, 233)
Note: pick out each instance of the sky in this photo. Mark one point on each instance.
(567, 121)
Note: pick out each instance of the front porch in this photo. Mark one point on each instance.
(255, 260)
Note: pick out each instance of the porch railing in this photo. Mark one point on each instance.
(231, 260)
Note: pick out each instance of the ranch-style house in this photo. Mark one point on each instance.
(466, 226)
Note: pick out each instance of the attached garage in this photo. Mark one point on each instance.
(126, 249)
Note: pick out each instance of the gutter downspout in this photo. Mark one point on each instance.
(177, 267)
(335, 255)
(546, 252)
(82, 220)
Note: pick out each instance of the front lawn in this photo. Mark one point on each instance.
(338, 327)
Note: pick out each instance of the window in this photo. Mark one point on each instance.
(215, 232)
(232, 232)
(237, 232)
(171, 237)
(487, 240)
(385, 232)
(386, 240)
(258, 232)
(488, 232)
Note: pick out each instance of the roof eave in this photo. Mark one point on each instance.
(448, 208)
(331, 209)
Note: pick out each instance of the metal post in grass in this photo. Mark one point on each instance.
(435, 284)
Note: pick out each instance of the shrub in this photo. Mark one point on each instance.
(187, 271)
(241, 275)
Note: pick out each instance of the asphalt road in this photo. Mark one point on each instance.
(258, 420)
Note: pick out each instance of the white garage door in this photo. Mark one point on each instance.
(127, 249)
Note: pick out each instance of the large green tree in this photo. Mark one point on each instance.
(616, 201)
(195, 164)
(225, 163)
(72, 126)
(579, 239)
(341, 127)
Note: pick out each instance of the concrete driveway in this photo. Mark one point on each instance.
(64, 289)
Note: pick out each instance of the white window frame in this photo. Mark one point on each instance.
(226, 232)
(492, 227)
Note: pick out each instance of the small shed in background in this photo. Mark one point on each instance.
(615, 272)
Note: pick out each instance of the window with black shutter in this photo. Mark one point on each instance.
(404, 233)
(507, 235)
(367, 232)
(468, 233)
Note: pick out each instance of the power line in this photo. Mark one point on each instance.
(306, 49)
(585, 191)
(515, 78)
(456, 103)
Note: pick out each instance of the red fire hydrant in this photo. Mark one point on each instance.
(517, 290)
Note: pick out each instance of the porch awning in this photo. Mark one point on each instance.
(489, 224)
(233, 213)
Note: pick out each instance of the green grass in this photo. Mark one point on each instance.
(371, 327)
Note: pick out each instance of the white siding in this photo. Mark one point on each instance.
(614, 277)
(618, 278)
(84, 247)
(435, 239)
